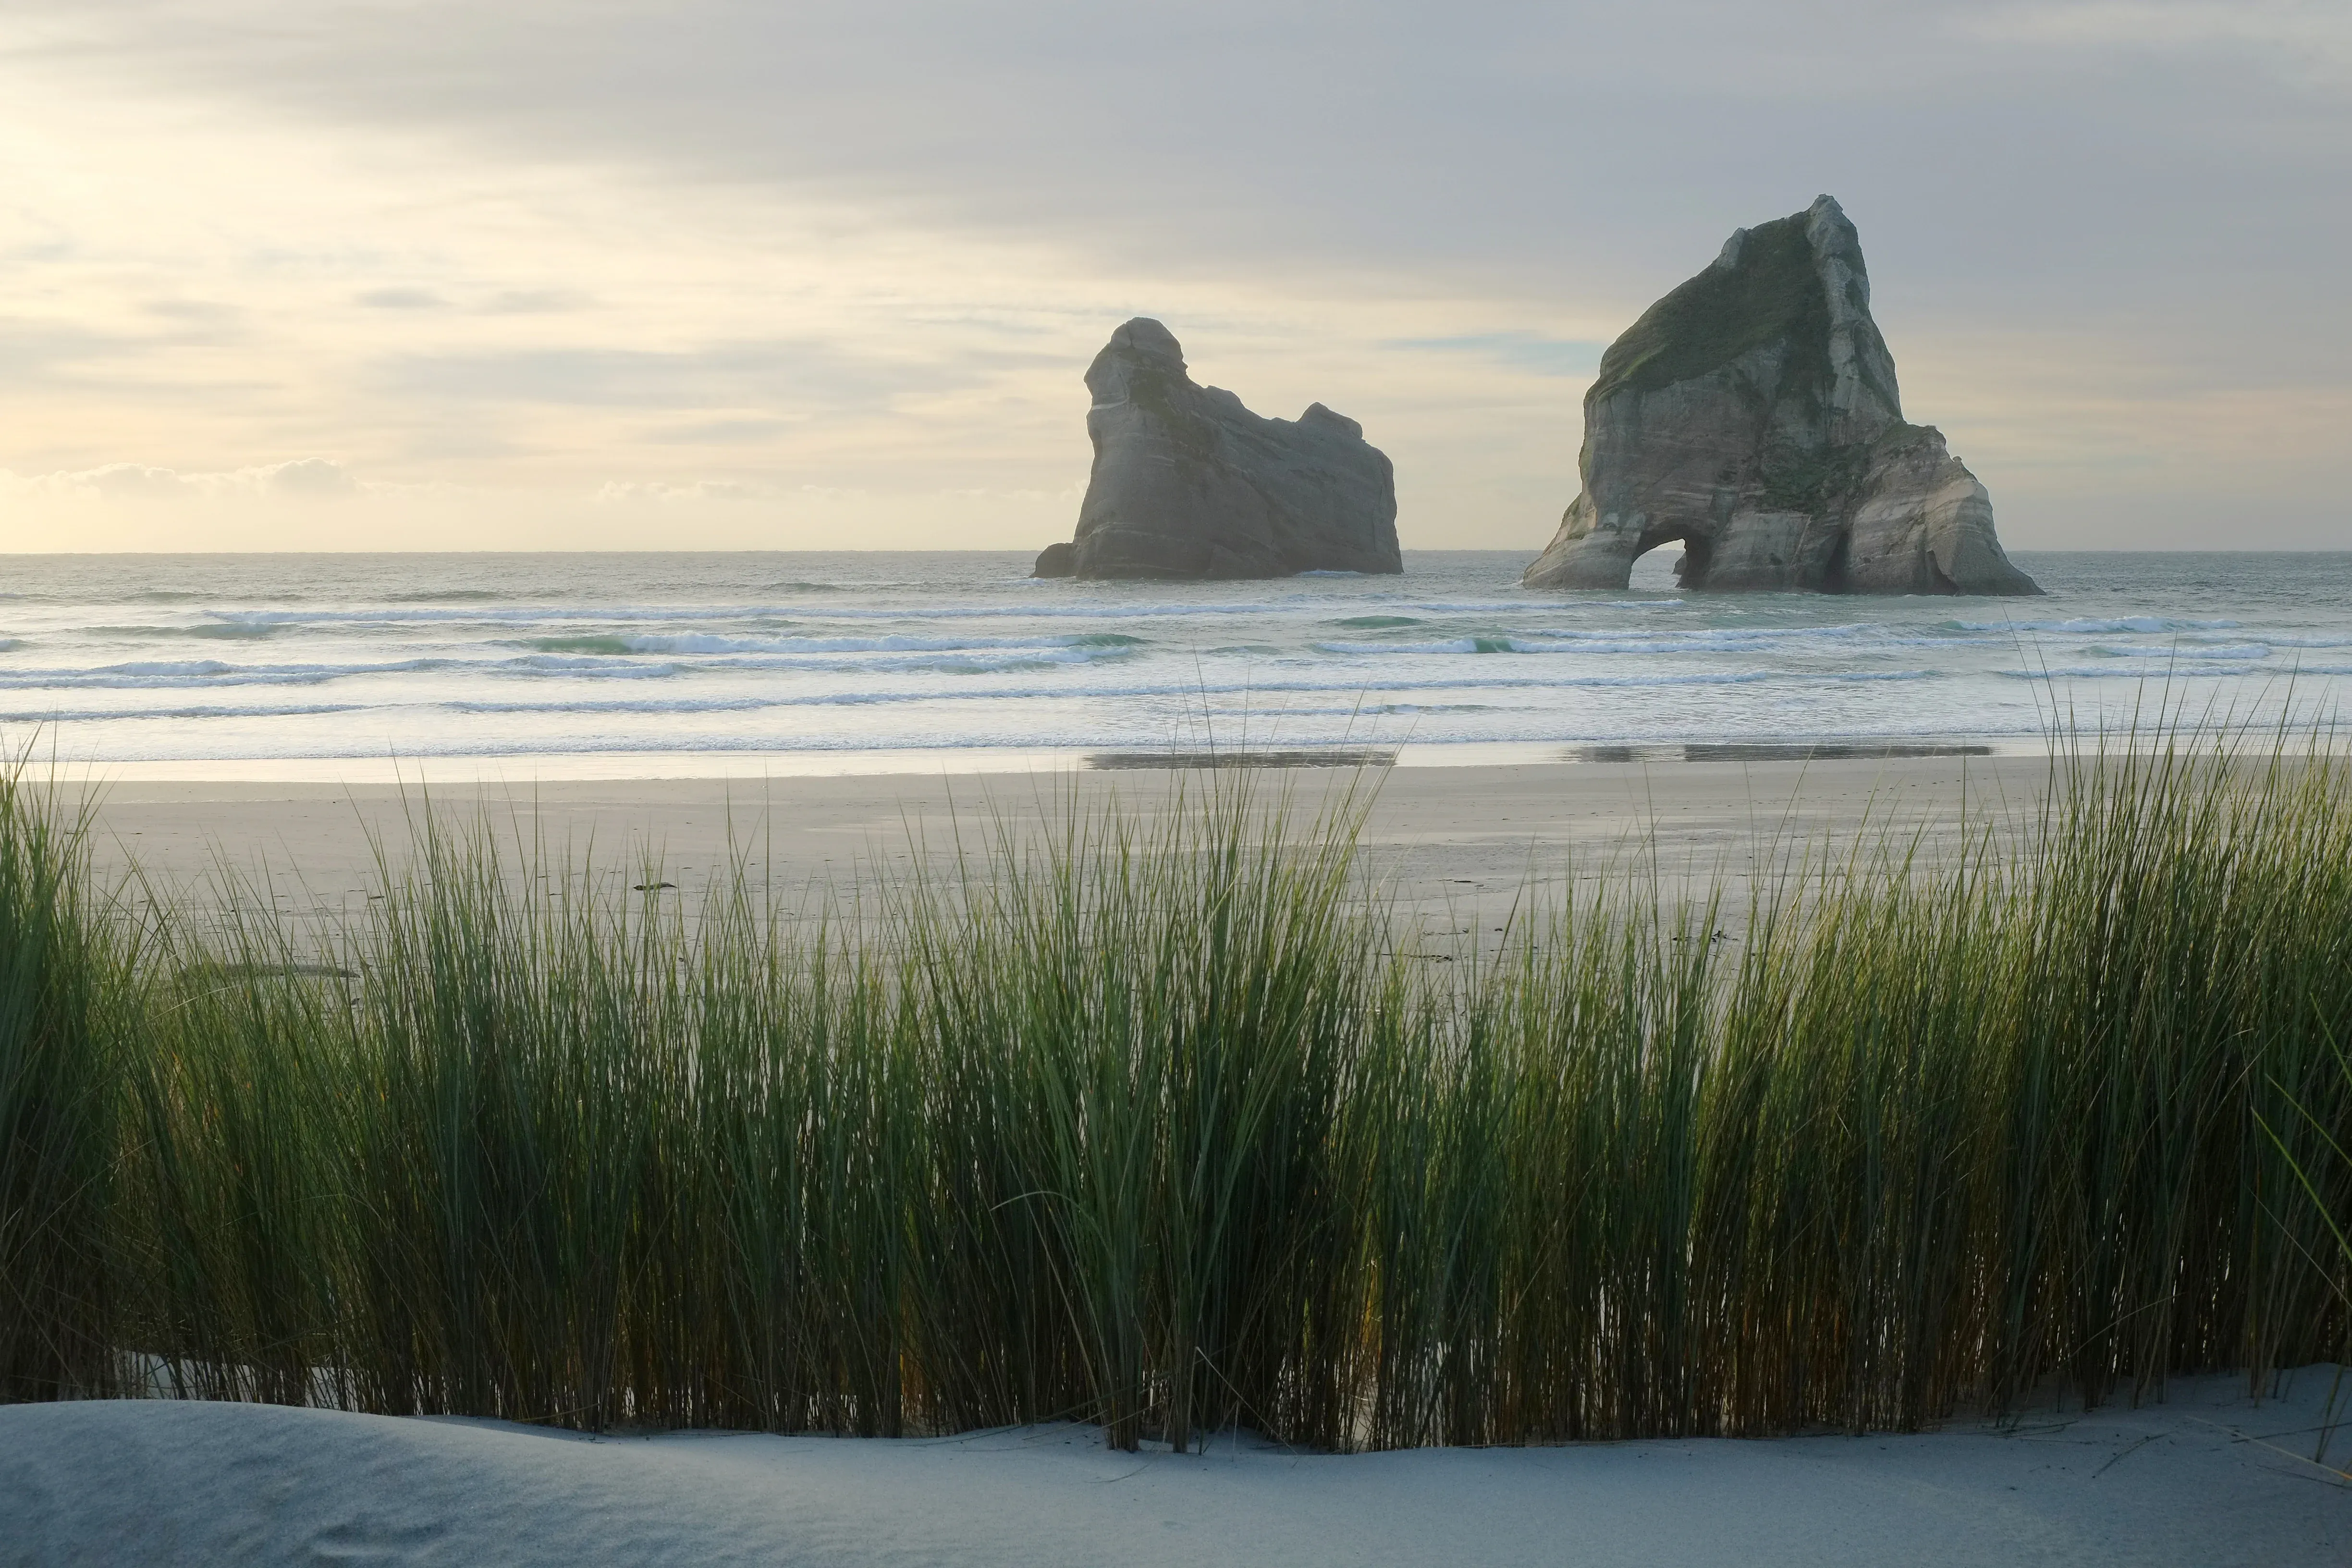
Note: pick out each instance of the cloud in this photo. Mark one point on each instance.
(810, 376)
(1530, 352)
(644, 239)
(718, 432)
(534, 302)
(499, 302)
(400, 300)
(1487, 135)
(124, 480)
(34, 347)
(308, 477)
(624, 493)
(199, 312)
(2021, 166)
(2306, 42)
(305, 478)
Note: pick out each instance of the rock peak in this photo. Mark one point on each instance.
(1144, 338)
(1187, 482)
(1753, 416)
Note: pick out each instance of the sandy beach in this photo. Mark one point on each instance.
(1451, 844)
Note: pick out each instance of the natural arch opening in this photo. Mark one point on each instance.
(1654, 573)
(1667, 565)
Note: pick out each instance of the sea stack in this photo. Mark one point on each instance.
(1752, 415)
(1187, 483)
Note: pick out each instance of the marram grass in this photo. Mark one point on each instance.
(1160, 1127)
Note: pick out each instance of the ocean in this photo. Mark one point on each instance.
(653, 665)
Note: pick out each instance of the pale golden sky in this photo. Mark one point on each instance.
(712, 274)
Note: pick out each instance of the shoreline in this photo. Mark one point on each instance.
(918, 761)
(1444, 842)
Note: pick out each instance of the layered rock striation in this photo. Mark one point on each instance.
(1187, 483)
(1752, 415)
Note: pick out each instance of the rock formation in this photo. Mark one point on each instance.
(1188, 483)
(1752, 415)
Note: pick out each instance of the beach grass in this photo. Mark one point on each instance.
(1158, 1123)
(63, 973)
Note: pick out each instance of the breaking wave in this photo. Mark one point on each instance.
(508, 654)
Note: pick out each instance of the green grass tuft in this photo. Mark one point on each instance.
(1159, 1127)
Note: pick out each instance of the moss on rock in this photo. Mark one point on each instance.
(1770, 292)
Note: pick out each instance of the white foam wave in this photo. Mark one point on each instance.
(1180, 690)
(186, 674)
(601, 666)
(2186, 652)
(706, 655)
(1110, 609)
(2184, 671)
(198, 672)
(709, 642)
(1035, 658)
(1602, 642)
(1452, 645)
(2094, 624)
(210, 710)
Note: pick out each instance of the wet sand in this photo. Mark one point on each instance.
(1456, 845)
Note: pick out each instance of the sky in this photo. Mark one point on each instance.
(718, 274)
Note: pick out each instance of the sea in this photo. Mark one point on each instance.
(579, 665)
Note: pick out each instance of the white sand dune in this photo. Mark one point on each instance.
(2207, 1479)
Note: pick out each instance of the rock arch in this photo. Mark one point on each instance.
(1753, 413)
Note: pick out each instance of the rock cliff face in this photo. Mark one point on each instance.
(1188, 483)
(1752, 415)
